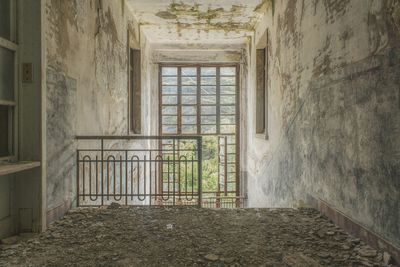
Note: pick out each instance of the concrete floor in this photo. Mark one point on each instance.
(190, 237)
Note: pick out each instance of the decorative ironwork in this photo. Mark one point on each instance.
(137, 170)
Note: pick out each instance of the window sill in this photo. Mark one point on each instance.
(264, 137)
(9, 168)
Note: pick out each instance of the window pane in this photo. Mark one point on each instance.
(170, 110)
(170, 100)
(170, 120)
(189, 71)
(6, 74)
(5, 19)
(189, 129)
(225, 90)
(229, 71)
(228, 99)
(209, 110)
(189, 80)
(189, 110)
(208, 81)
(169, 71)
(228, 110)
(208, 99)
(169, 129)
(227, 119)
(168, 90)
(4, 133)
(208, 129)
(189, 119)
(208, 90)
(208, 119)
(208, 71)
(187, 90)
(189, 99)
(228, 128)
(170, 81)
(228, 80)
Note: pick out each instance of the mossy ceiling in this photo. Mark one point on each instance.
(198, 20)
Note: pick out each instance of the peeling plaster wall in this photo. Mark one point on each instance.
(87, 84)
(334, 111)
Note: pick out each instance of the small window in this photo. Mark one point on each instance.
(135, 91)
(8, 73)
(261, 93)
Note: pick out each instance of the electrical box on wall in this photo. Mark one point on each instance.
(27, 72)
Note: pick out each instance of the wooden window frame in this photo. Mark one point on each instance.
(135, 91)
(262, 84)
(12, 45)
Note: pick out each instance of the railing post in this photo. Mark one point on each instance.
(200, 168)
(102, 172)
(77, 177)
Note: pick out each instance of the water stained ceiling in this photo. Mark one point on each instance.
(198, 21)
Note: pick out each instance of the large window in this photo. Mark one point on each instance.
(198, 100)
(8, 82)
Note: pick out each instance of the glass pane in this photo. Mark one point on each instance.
(208, 81)
(228, 99)
(228, 80)
(170, 80)
(189, 110)
(229, 71)
(228, 90)
(187, 90)
(228, 110)
(189, 99)
(169, 71)
(169, 129)
(170, 100)
(4, 133)
(6, 74)
(189, 72)
(207, 90)
(208, 100)
(228, 128)
(189, 80)
(227, 119)
(189, 119)
(208, 129)
(170, 120)
(208, 119)
(208, 71)
(169, 110)
(5, 19)
(168, 90)
(209, 110)
(189, 129)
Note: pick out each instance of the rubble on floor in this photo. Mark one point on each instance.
(187, 236)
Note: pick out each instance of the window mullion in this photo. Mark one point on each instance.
(179, 122)
(198, 101)
(218, 106)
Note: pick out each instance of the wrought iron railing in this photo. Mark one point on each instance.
(139, 170)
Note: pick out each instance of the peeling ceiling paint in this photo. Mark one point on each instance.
(198, 21)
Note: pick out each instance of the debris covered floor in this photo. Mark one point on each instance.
(191, 237)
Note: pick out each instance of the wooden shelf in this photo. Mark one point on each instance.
(9, 168)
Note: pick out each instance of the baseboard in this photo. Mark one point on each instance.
(58, 212)
(354, 228)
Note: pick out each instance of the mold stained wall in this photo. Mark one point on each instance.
(334, 112)
(87, 85)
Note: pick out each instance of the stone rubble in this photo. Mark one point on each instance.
(187, 236)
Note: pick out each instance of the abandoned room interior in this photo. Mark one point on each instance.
(199, 132)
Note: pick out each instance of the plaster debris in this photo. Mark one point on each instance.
(201, 237)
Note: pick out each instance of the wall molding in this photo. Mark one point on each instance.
(354, 228)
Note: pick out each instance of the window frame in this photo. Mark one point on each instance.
(12, 45)
(265, 134)
(131, 74)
